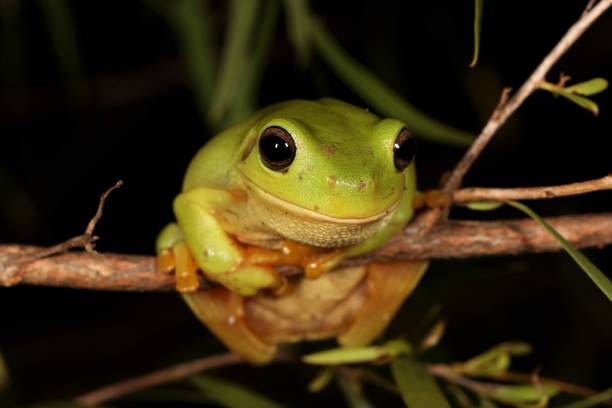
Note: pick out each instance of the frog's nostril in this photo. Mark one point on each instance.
(362, 185)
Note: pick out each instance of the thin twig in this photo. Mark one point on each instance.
(532, 193)
(89, 245)
(507, 108)
(12, 262)
(448, 374)
(163, 376)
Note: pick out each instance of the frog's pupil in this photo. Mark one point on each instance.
(404, 150)
(276, 148)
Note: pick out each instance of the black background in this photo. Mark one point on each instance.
(57, 156)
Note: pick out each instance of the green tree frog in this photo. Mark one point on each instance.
(301, 182)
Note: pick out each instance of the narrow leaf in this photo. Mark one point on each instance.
(484, 205)
(521, 394)
(242, 18)
(590, 87)
(581, 101)
(381, 97)
(353, 394)
(593, 400)
(418, 387)
(351, 355)
(4, 375)
(494, 361)
(231, 395)
(191, 23)
(432, 338)
(597, 276)
(322, 379)
(478, 4)
(298, 25)
(346, 355)
(244, 104)
(63, 35)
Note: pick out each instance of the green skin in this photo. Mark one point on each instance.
(343, 175)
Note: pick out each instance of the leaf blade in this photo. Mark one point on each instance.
(352, 393)
(418, 387)
(593, 272)
(590, 87)
(231, 395)
(478, 6)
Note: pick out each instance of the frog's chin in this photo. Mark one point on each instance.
(269, 199)
(309, 227)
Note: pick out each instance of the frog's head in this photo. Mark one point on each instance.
(325, 171)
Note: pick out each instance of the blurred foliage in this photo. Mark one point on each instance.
(227, 49)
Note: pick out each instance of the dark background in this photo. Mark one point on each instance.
(142, 126)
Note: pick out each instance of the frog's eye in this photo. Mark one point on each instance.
(404, 149)
(276, 148)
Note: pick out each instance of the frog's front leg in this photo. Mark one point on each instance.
(218, 256)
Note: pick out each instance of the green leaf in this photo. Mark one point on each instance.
(484, 205)
(4, 374)
(597, 276)
(244, 104)
(353, 394)
(593, 400)
(234, 60)
(231, 395)
(346, 355)
(191, 23)
(478, 4)
(63, 35)
(380, 96)
(581, 101)
(322, 379)
(418, 387)
(493, 361)
(486, 403)
(351, 355)
(522, 394)
(298, 25)
(590, 87)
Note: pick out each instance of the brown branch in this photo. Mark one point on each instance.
(163, 376)
(532, 193)
(450, 239)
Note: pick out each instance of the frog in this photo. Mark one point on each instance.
(308, 183)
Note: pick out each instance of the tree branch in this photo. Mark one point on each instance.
(450, 239)
(162, 376)
(532, 193)
(506, 107)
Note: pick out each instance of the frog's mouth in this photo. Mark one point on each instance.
(269, 199)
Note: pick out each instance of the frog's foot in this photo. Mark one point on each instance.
(387, 285)
(222, 311)
(313, 260)
(178, 259)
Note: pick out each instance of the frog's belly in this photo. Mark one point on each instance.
(314, 309)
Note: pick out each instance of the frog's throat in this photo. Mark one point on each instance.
(271, 199)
